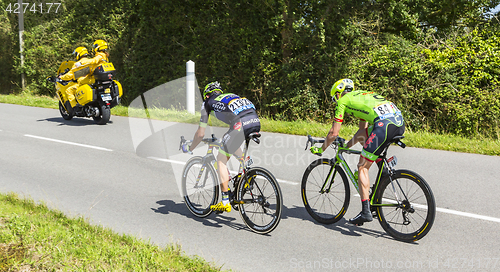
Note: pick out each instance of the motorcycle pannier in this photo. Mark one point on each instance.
(104, 72)
(85, 94)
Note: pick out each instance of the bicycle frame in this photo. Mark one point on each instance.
(209, 158)
(340, 160)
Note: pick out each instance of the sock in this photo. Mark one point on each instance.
(225, 198)
(365, 205)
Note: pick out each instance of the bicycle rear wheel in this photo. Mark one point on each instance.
(325, 191)
(260, 200)
(407, 208)
(200, 187)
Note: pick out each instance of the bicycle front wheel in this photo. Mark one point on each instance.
(200, 186)
(406, 207)
(260, 199)
(325, 191)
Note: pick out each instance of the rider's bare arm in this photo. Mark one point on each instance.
(332, 135)
(198, 136)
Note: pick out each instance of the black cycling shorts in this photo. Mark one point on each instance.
(380, 134)
(238, 132)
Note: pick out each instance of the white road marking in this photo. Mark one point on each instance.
(232, 172)
(471, 215)
(459, 213)
(167, 160)
(66, 142)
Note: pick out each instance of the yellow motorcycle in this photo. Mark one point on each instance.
(96, 99)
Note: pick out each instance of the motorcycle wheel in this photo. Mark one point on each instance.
(104, 115)
(65, 115)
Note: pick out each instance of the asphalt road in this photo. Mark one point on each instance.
(118, 177)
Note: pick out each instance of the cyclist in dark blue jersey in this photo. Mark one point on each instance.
(239, 113)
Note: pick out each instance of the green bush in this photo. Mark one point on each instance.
(283, 55)
(467, 67)
(447, 85)
(7, 37)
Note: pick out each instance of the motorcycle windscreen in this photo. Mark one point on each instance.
(65, 65)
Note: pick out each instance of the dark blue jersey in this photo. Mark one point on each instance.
(228, 108)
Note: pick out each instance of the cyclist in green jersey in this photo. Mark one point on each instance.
(380, 122)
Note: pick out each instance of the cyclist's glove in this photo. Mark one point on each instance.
(316, 150)
(185, 149)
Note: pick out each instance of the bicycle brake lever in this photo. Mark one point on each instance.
(341, 142)
(309, 140)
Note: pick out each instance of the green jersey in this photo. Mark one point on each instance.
(367, 106)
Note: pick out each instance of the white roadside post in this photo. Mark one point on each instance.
(190, 86)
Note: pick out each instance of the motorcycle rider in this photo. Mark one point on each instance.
(81, 57)
(82, 70)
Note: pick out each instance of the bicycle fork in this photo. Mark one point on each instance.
(200, 174)
(330, 179)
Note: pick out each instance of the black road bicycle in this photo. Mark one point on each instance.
(401, 199)
(254, 191)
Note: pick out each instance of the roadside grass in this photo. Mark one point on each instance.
(420, 139)
(36, 238)
(30, 100)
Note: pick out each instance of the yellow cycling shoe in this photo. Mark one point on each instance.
(220, 208)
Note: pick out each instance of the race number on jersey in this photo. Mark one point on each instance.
(240, 104)
(386, 110)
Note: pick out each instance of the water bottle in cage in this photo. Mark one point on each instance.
(248, 161)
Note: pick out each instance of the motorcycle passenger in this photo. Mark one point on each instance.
(380, 121)
(100, 50)
(239, 113)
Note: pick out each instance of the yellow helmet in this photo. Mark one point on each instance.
(80, 52)
(99, 45)
(341, 86)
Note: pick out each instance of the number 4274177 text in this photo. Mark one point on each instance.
(33, 7)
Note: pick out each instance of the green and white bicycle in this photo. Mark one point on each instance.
(401, 199)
